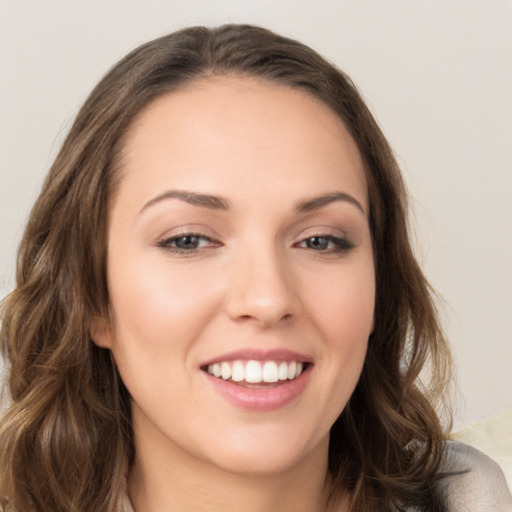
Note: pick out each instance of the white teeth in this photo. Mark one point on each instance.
(216, 371)
(225, 371)
(283, 371)
(292, 367)
(255, 372)
(270, 372)
(238, 374)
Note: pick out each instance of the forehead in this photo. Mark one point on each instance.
(239, 128)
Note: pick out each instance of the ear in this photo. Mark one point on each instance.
(100, 332)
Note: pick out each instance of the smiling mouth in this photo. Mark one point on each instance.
(254, 373)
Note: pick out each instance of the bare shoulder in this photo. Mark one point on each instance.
(477, 483)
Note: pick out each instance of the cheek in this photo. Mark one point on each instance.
(343, 304)
(343, 312)
(159, 309)
(341, 309)
(158, 315)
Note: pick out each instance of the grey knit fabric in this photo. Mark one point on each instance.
(481, 485)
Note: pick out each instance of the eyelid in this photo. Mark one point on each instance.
(200, 231)
(321, 230)
(185, 235)
(186, 229)
(166, 244)
(340, 242)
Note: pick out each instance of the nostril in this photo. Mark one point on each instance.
(266, 319)
(265, 303)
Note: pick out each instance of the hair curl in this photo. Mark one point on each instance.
(66, 438)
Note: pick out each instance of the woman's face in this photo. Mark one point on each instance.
(241, 275)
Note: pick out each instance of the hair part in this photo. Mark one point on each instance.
(66, 439)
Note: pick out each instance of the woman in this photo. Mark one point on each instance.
(217, 305)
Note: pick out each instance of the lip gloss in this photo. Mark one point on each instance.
(260, 398)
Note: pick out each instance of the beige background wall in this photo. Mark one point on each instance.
(437, 75)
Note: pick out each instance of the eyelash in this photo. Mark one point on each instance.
(338, 245)
(167, 243)
(331, 244)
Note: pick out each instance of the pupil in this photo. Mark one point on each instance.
(318, 242)
(187, 242)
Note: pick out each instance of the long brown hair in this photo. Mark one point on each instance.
(66, 439)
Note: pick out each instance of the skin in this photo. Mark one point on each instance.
(257, 280)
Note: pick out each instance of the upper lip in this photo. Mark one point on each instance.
(259, 355)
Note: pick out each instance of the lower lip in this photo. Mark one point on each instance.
(261, 399)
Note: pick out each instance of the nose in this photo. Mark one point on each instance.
(263, 289)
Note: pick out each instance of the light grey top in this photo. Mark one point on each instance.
(480, 486)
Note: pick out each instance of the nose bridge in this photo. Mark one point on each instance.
(262, 285)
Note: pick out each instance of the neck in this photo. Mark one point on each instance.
(185, 484)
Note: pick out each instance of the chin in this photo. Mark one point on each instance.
(266, 454)
(257, 464)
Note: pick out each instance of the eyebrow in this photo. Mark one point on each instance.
(220, 203)
(204, 200)
(323, 200)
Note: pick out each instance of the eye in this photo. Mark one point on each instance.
(187, 243)
(326, 244)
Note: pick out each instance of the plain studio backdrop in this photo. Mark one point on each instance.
(437, 75)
